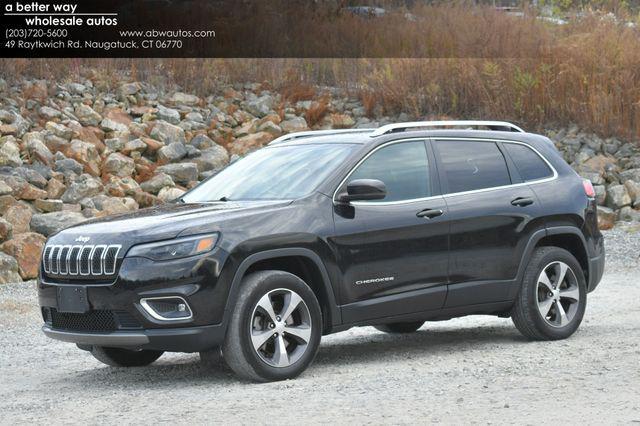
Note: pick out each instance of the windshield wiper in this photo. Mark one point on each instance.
(224, 199)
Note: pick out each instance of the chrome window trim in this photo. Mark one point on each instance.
(148, 309)
(453, 194)
(495, 188)
(362, 160)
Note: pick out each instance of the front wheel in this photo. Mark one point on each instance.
(275, 328)
(117, 357)
(553, 296)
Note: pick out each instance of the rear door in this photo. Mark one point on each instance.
(393, 253)
(492, 214)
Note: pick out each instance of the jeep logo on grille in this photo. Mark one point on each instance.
(82, 239)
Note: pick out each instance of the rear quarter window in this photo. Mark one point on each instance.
(528, 162)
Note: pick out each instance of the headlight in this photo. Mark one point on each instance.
(175, 249)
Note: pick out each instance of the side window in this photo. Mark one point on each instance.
(403, 167)
(471, 165)
(529, 164)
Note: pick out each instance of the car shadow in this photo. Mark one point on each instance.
(176, 370)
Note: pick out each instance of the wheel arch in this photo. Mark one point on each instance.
(302, 262)
(567, 237)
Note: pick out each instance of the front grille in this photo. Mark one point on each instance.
(92, 321)
(91, 260)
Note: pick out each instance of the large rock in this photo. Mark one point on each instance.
(8, 269)
(167, 133)
(59, 130)
(21, 189)
(180, 98)
(202, 141)
(250, 143)
(172, 153)
(260, 106)
(168, 114)
(212, 158)
(120, 187)
(169, 194)
(6, 230)
(86, 154)
(85, 186)
(119, 165)
(36, 148)
(50, 223)
(10, 154)
(109, 125)
(5, 189)
(87, 116)
(630, 174)
(633, 189)
(26, 249)
(67, 165)
(157, 182)
(606, 217)
(55, 188)
(48, 206)
(627, 214)
(19, 216)
(49, 113)
(181, 173)
(297, 124)
(617, 197)
(115, 205)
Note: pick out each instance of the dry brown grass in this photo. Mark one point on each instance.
(317, 111)
(469, 63)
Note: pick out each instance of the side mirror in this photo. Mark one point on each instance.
(364, 189)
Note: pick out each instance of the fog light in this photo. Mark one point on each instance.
(169, 308)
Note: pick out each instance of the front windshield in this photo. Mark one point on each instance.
(273, 173)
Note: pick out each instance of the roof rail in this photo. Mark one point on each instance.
(308, 134)
(400, 127)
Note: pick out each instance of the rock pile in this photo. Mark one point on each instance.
(73, 151)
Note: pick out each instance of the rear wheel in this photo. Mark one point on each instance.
(117, 357)
(400, 327)
(553, 296)
(275, 327)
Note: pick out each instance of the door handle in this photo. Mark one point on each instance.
(430, 213)
(522, 201)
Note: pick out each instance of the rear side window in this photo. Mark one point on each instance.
(403, 168)
(472, 165)
(529, 164)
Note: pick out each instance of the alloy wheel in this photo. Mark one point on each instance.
(280, 327)
(558, 294)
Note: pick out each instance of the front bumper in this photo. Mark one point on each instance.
(188, 339)
(116, 317)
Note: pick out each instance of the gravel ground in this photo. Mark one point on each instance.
(468, 370)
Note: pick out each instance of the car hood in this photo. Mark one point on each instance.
(162, 222)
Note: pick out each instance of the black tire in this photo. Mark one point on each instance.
(117, 357)
(526, 314)
(238, 350)
(400, 327)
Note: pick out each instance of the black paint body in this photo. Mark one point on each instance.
(468, 260)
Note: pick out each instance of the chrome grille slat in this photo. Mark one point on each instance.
(76, 260)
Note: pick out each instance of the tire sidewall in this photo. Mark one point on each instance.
(532, 289)
(275, 281)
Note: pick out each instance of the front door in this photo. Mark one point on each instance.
(393, 252)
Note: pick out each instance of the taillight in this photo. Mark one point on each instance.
(588, 188)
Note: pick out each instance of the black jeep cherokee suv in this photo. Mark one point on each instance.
(322, 231)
